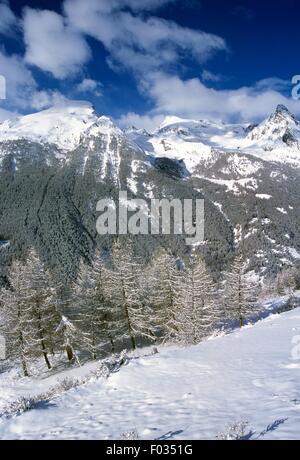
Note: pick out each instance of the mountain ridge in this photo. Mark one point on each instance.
(66, 125)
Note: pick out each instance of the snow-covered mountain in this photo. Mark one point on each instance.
(62, 130)
(276, 129)
(56, 164)
(64, 126)
(276, 139)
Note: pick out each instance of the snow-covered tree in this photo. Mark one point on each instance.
(42, 299)
(93, 312)
(163, 285)
(286, 282)
(240, 293)
(73, 339)
(123, 289)
(30, 315)
(184, 300)
(199, 312)
(16, 317)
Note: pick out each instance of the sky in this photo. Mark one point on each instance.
(138, 61)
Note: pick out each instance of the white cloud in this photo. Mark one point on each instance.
(57, 44)
(6, 115)
(274, 83)
(22, 92)
(192, 99)
(112, 6)
(52, 45)
(8, 21)
(209, 76)
(145, 5)
(20, 83)
(134, 5)
(87, 85)
(46, 98)
(148, 122)
(148, 46)
(138, 43)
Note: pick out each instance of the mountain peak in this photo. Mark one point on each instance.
(282, 109)
(282, 114)
(63, 124)
(172, 120)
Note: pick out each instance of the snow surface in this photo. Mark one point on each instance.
(251, 375)
(235, 186)
(263, 196)
(294, 253)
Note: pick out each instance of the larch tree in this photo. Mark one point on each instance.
(42, 299)
(92, 309)
(199, 312)
(240, 293)
(73, 339)
(164, 283)
(133, 316)
(286, 282)
(16, 317)
(30, 313)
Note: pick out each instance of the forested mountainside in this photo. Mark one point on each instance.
(56, 165)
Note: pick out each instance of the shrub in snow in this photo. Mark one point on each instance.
(18, 406)
(66, 384)
(114, 363)
(237, 432)
(26, 403)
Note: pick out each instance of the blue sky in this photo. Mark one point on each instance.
(140, 60)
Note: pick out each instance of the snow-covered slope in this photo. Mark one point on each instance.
(249, 376)
(190, 140)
